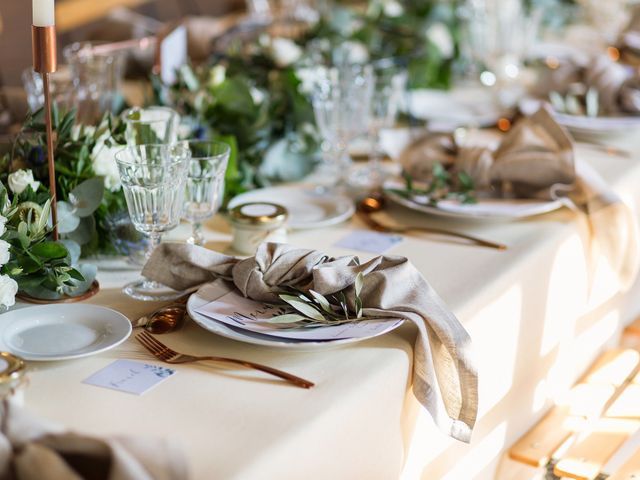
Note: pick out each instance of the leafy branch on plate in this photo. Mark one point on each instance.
(443, 185)
(311, 309)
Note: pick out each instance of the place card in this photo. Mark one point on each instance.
(129, 376)
(368, 241)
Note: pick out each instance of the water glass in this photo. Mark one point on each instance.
(342, 105)
(205, 183)
(151, 126)
(96, 77)
(153, 180)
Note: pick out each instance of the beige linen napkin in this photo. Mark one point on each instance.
(536, 160)
(445, 379)
(33, 450)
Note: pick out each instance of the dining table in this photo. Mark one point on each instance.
(536, 312)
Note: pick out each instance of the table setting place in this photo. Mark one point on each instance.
(234, 207)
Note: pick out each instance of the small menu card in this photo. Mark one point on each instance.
(129, 376)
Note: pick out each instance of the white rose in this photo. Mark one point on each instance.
(8, 290)
(285, 52)
(20, 180)
(104, 163)
(440, 36)
(3, 222)
(5, 254)
(393, 9)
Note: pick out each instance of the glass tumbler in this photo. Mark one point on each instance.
(151, 126)
(153, 180)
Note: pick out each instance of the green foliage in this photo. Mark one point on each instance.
(84, 203)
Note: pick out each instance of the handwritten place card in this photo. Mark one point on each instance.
(129, 376)
(371, 242)
(242, 313)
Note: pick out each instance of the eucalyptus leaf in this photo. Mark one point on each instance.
(306, 309)
(85, 231)
(68, 221)
(42, 293)
(87, 196)
(88, 273)
(74, 250)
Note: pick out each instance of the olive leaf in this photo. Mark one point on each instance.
(305, 308)
(288, 318)
(322, 301)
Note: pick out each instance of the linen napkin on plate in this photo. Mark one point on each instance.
(445, 379)
(31, 449)
(536, 160)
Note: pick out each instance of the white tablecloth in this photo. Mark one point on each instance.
(528, 311)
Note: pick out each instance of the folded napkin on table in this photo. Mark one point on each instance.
(629, 39)
(445, 378)
(618, 86)
(33, 450)
(536, 160)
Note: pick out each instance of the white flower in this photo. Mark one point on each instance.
(257, 95)
(3, 228)
(104, 163)
(393, 9)
(87, 130)
(8, 290)
(217, 75)
(440, 36)
(309, 77)
(5, 254)
(285, 52)
(20, 180)
(356, 52)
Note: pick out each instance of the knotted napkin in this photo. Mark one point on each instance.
(444, 374)
(536, 160)
(34, 450)
(618, 86)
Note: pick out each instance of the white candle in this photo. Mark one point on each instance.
(43, 13)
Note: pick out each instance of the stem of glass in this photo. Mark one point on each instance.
(196, 234)
(155, 238)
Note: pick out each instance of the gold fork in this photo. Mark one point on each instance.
(164, 353)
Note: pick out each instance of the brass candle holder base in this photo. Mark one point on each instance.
(93, 290)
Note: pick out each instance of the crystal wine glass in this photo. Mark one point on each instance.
(342, 105)
(153, 179)
(151, 126)
(205, 183)
(388, 95)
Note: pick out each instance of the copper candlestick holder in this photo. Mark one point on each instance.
(45, 62)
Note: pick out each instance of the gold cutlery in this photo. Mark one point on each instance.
(167, 355)
(373, 204)
(165, 319)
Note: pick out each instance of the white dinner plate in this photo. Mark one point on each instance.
(485, 209)
(585, 126)
(200, 299)
(307, 208)
(62, 332)
(459, 107)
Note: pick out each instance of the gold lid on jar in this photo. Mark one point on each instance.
(259, 214)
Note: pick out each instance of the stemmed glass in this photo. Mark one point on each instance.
(205, 183)
(342, 106)
(151, 126)
(387, 98)
(153, 179)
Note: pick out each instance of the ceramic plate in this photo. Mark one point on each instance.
(307, 208)
(200, 299)
(490, 209)
(62, 332)
(463, 106)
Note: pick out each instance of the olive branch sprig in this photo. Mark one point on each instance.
(312, 309)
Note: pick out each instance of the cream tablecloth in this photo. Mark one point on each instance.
(527, 309)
